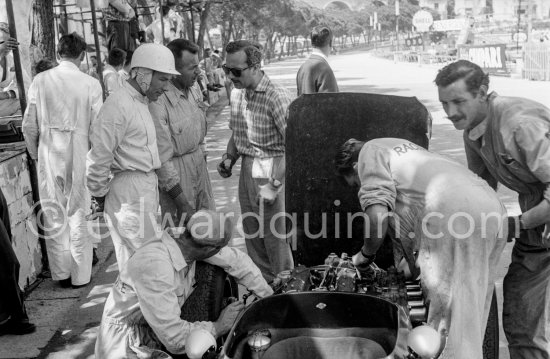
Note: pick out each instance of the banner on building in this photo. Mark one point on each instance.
(450, 24)
(491, 58)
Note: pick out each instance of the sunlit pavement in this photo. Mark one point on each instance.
(67, 319)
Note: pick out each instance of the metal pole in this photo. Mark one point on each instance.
(161, 21)
(192, 21)
(517, 31)
(97, 50)
(16, 58)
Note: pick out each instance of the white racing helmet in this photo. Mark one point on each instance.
(198, 343)
(154, 57)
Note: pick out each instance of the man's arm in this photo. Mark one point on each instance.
(105, 137)
(30, 127)
(531, 138)
(327, 80)
(377, 215)
(239, 265)
(155, 287)
(124, 8)
(377, 197)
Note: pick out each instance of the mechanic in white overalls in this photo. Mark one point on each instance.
(445, 222)
(141, 318)
(507, 140)
(63, 105)
(124, 144)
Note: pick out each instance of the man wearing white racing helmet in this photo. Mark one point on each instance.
(124, 155)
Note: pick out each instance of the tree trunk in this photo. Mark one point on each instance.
(204, 23)
(269, 45)
(43, 28)
(282, 48)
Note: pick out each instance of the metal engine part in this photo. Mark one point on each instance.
(338, 274)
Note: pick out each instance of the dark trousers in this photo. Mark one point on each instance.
(11, 300)
(119, 36)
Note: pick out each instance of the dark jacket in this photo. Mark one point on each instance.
(315, 75)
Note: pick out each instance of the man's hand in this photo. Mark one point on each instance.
(228, 317)
(8, 45)
(362, 261)
(226, 165)
(131, 13)
(268, 192)
(185, 211)
(97, 206)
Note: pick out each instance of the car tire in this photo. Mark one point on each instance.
(490, 341)
(212, 292)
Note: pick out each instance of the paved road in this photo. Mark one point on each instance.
(67, 319)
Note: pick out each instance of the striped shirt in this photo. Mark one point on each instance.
(258, 119)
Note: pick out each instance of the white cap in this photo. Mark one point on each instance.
(155, 57)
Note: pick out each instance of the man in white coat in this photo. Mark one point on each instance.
(63, 103)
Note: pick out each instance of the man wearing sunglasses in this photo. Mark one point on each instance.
(258, 121)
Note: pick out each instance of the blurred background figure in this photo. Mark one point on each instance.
(9, 103)
(122, 26)
(111, 76)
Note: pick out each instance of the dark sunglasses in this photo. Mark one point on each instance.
(235, 71)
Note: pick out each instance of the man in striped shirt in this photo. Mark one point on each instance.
(258, 121)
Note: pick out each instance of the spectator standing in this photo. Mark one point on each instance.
(315, 75)
(154, 30)
(111, 76)
(124, 72)
(119, 14)
(9, 103)
(92, 71)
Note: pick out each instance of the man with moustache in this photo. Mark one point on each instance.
(124, 155)
(180, 122)
(507, 140)
(258, 121)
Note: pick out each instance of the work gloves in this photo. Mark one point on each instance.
(226, 165)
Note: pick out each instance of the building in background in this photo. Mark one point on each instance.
(438, 5)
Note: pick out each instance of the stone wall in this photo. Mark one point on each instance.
(16, 186)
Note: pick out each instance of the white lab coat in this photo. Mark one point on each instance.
(63, 102)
